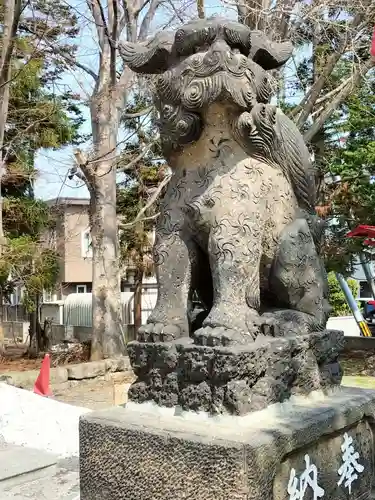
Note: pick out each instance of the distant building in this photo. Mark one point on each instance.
(71, 238)
(364, 292)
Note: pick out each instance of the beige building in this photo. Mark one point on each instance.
(71, 238)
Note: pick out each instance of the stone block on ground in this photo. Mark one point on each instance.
(91, 369)
(26, 379)
(121, 364)
(144, 452)
(235, 380)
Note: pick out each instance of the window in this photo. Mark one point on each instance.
(364, 290)
(86, 244)
(47, 296)
(81, 289)
(17, 296)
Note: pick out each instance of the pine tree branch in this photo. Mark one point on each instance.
(69, 59)
(308, 102)
(151, 201)
(138, 158)
(145, 111)
(360, 70)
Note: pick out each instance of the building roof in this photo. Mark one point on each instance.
(68, 201)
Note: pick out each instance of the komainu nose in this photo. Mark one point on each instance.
(219, 46)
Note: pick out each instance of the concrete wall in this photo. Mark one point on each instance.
(15, 329)
(359, 344)
(83, 333)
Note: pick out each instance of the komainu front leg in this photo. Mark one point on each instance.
(234, 249)
(298, 281)
(173, 256)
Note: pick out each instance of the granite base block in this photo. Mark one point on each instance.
(144, 452)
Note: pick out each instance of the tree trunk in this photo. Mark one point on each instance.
(1, 320)
(200, 9)
(138, 298)
(11, 17)
(34, 340)
(107, 338)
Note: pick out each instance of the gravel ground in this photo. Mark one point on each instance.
(361, 362)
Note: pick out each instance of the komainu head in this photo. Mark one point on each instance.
(203, 62)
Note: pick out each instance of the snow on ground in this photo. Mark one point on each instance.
(27, 419)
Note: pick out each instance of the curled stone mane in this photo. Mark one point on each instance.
(204, 62)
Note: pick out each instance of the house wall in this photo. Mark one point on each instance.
(77, 266)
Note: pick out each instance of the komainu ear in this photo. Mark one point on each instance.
(151, 57)
(269, 55)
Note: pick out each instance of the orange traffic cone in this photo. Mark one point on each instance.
(41, 385)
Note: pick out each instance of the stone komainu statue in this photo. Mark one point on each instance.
(237, 223)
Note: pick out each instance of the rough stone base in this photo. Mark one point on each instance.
(234, 380)
(144, 452)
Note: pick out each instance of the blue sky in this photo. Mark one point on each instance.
(53, 166)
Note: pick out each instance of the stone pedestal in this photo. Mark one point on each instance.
(144, 452)
(235, 379)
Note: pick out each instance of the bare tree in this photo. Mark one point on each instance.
(115, 20)
(330, 34)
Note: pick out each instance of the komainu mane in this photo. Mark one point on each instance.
(237, 225)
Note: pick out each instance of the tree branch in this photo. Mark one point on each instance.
(359, 72)
(113, 22)
(131, 21)
(151, 201)
(147, 20)
(145, 111)
(99, 19)
(12, 14)
(123, 85)
(71, 60)
(138, 158)
(308, 102)
(135, 221)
